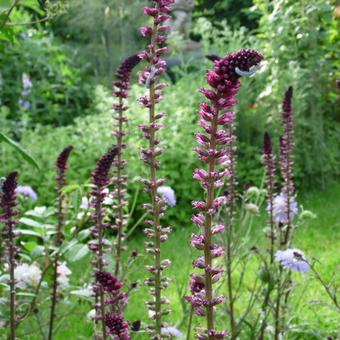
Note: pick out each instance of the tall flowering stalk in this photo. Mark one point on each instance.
(61, 167)
(269, 164)
(216, 151)
(158, 13)
(8, 218)
(121, 92)
(270, 168)
(286, 159)
(100, 180)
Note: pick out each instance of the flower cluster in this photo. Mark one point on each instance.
(216, 119)
(156, 33)
(121, 87)
(293, 259)
(114, 320)
(27, 275)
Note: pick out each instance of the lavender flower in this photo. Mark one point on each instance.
(171, 332)
(121, 92)
(8, 204)
(293, 259)
(27, 191)
(216, 150)
(167, 194)
(159, 14)
(280, 209)
(26, 90)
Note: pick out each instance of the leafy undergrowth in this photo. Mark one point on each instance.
(312, 316)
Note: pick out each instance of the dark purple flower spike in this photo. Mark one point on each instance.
(121, 91)
(216, 149)
(8, 219)
(287, 158)
(100, 180)
(61, 168)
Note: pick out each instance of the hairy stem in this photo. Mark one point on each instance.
(210, 196)
(119, 187)
(58, 243)
(12, 280)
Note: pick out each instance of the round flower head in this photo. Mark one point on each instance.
(293, 259)
(167, 194)
(280, 208)
(26, 191)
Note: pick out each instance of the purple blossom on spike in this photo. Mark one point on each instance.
(121, 91)
(100, 180)
(287, 159)
(117, 326)
(61, 168)
(158, 11)
(216, 149)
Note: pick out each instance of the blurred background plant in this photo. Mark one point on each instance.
(61, 60)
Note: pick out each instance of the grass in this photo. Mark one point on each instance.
(311, 318)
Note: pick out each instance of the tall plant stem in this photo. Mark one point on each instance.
(12, 282)
(100, 265)
(119, 187)
(269, 289)
(190, 322)
(155, 206)
(210, 196)
(58, 243)
(231, 194)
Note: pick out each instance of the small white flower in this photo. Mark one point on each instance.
(91, 315)
(63, 272)
(84, 203)
(27, 275)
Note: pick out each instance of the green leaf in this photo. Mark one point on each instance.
(31, 223)
(23, 152)
(77, 252)
(28, 232)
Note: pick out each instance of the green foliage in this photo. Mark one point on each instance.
(236, 12)
(299, 42)
(59, 90)
(109, 32)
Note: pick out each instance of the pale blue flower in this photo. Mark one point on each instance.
(167, 194)
(26, 191)
(293, 259)
(280, 209)
(172, 332)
